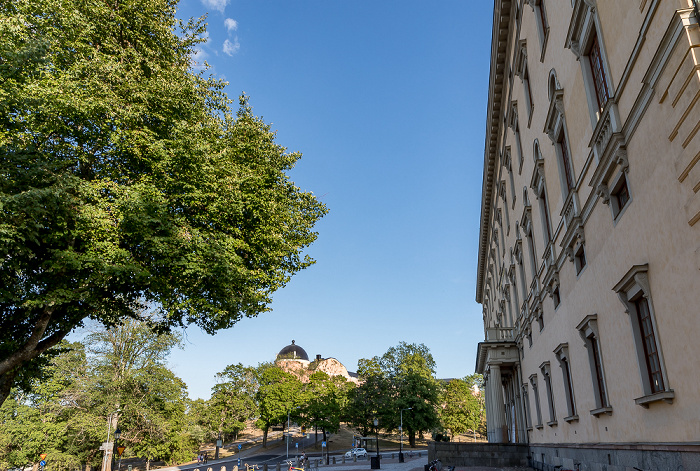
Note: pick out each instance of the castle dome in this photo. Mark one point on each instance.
(292, 352)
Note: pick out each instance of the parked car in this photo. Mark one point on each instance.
(356, 452)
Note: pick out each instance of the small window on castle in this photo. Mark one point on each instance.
(619, 196)
(580, 259)
(555, 297)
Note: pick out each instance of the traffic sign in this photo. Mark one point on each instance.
(42, 463)
(296, 445)
(42, 456)
(240, 446)
(323, 444)
(120, 449)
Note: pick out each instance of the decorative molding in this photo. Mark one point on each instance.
(555, 115)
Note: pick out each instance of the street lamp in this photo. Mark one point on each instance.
(117, 434)
(375, 462)
(106, 459)
(401, 435)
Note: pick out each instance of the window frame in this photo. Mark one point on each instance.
(588, 330)
(584, 33)
(562, 354)
(535, 392)
(633, 285)
(616, 205)
(580, 260)
(547, 375)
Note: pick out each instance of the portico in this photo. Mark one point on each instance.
(498, 361)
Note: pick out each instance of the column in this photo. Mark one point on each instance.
(488, 401)
(500, 432)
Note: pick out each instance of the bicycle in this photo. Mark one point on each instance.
(248, 467)
(435, 465)
(293, 468)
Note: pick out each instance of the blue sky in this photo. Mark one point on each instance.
(386, 99)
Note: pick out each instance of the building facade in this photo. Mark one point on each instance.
(589, 249)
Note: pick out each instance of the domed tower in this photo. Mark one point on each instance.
(293, 352)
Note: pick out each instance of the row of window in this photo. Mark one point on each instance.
(594, 72)
(634, 293)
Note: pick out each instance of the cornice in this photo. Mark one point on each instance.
(499, 52)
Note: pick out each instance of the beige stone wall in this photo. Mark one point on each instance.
(652, 58)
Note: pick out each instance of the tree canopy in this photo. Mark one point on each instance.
(127, 182)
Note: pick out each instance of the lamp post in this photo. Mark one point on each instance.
(117, 434)
(288, 432)
(375, 461)
(107, 458)
(401, 435)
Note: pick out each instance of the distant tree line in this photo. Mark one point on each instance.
(119, 377)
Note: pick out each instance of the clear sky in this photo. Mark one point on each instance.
(386, 99)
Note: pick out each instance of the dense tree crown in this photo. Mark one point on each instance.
(121, 375)
(127, 182)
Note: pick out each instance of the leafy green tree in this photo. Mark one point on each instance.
(323, 402)
(371, 398)
(129, 374)
(38, 422)
(461, 409)
(232, 403)
(127, 182)
(278, 394)
(408, 371)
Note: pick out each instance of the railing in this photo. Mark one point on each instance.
(499, 333)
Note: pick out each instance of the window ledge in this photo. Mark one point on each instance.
(529, 429)
(572, 418)
(602, 410)
(539, 426)
(552, 423)
(666, 396)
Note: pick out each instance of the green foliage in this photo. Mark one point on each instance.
(65, 415)
(127, 182)
(324, 397)
(461, 407)
(232, 403)
(402, 378)
(278, 394)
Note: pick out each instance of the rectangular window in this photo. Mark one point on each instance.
(634, 291)
(528, 94)
(538, 410)
(649, 343)
(598, 367)
(555, 297)
(580, 259)
(619, 195)
(588, 328)
(526, 401)
(566, 371)
(566, 162)
(544, 208)
(596, 61)
(550, 394)
(542, 26)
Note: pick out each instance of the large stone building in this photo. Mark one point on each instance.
(295, 360)
(589, 250)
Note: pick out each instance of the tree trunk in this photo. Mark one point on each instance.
(148, 463)
(264, 444)
(412, 438)
(6, 380)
